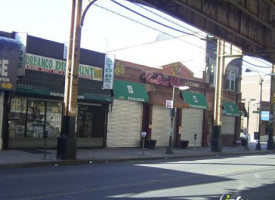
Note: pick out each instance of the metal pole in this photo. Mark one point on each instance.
(45, 148)
(258, 146)
(169, 150)
(247, 123)
(216, 145)
(143, 140)
(270, 141)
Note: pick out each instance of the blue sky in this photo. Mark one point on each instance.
(108, 31)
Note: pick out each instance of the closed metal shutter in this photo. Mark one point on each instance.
(192, 122)
(124, 125)
(228, 125)
(160, 125)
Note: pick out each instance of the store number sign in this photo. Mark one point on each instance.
(8, 63)
(4, 78)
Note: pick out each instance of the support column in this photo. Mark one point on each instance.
(270, 141)
(216, 143)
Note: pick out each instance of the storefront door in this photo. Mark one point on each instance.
(85, 122)
(91, 126)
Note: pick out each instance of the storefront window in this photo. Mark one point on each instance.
(35, 119)
(54, 117)
(17, 118)
(27, 118)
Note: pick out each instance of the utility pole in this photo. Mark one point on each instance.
(66, 145)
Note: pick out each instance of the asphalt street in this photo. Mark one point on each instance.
(249, 177)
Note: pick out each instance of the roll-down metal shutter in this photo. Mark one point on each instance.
(160, 125)
(124, 125)
(228, 125)
(192, 122)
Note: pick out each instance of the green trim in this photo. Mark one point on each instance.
(230, 109)
(29, 89)
(130, 91)
(195, 100)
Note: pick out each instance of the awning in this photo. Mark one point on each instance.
(230, 109)
(36, 90)
(195, 100)
(130, 91)
(159, 98)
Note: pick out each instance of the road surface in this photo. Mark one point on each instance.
(249, 177)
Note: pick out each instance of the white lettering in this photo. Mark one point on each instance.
(4, 67)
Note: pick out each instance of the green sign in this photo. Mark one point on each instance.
(55, 66)
(195, 100)
(130, 91)
(256, 111)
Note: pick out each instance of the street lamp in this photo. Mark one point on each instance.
(169, 149)
(258, 146)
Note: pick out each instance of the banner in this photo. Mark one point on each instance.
(108, 79)
(8, 63)
(21, 39)
(56, 66)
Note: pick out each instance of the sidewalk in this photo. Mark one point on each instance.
(35, 157)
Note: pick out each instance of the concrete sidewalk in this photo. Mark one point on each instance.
(36, 157)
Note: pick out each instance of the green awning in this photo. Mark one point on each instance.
(230, 109)
(195, 100)
(130, 91)
(30, 89)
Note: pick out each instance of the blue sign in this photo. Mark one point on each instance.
(8, 63)
(265, 116)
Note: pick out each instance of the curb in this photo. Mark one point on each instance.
(57, 163)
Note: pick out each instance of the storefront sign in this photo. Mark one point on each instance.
(160, 79)
(8, 63)
(108, 78)
(55, 66)
(21, 39)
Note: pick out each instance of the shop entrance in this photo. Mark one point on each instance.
(91, 123)
(85, 122)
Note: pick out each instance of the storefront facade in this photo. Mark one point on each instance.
(193, 118)
(156, 119)
(230, 116)
(125, 117)
(36, 105)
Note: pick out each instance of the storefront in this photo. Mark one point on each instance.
(160, 117)
(125, 117)
(228, 128)
(36, 107)
(193, 118)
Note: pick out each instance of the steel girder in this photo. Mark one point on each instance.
(248, 24)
